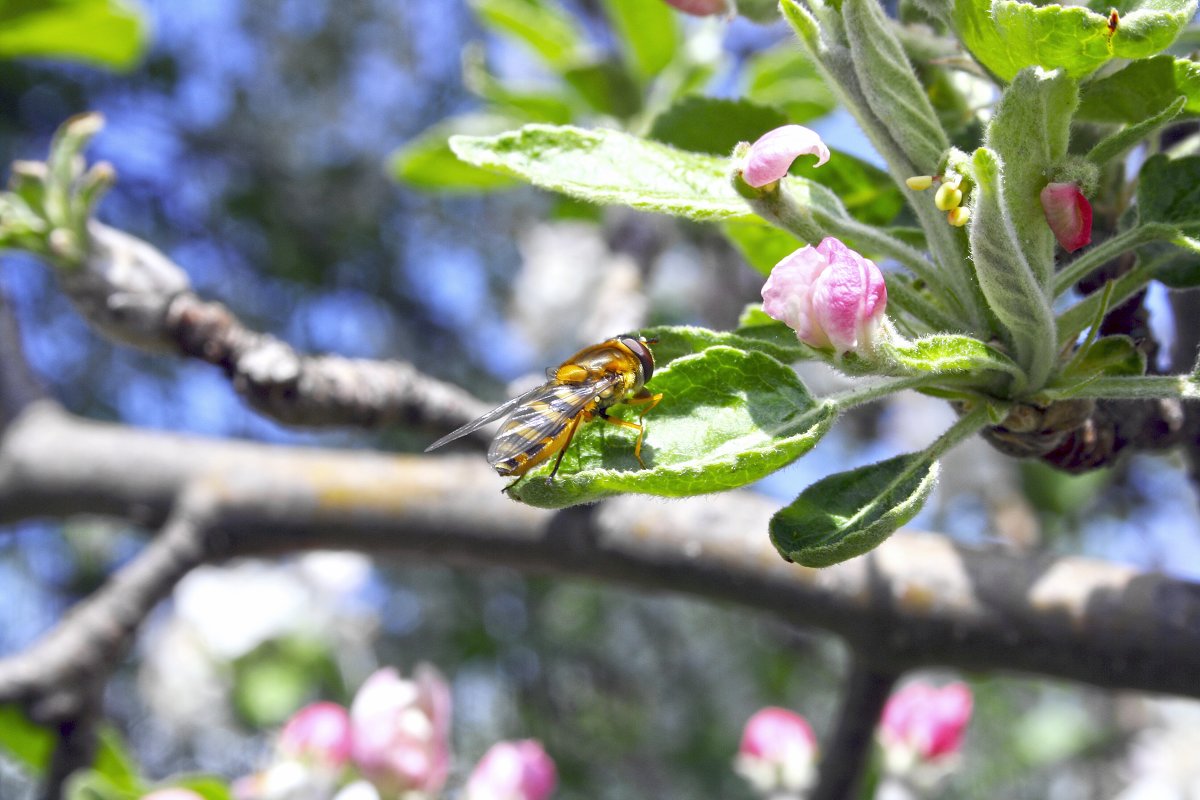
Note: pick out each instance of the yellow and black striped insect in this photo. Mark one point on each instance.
(542, 421)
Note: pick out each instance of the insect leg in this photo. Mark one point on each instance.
(566, 444)
(649, 401)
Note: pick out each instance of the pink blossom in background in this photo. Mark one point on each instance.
(829, 294)
(172, 794)
(923, 723)
(1069, 215)
(320, 732)
(401, 730)
(778, 751)
(513, 771)
(770, 158)
(702, 8)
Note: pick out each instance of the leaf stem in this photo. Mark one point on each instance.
(1185, 387)
(865, 394)
(967, 425)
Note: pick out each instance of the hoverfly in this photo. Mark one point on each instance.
(542, 421)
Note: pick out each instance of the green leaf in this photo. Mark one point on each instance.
(1141, 90)
(727, 418)
(108, 33)
(545, 28)
(509, 100)
(26, 742)
(647, 32)
(1169, 191)
(607, 166)
(88, 784)
(866, 192)
(208, 787)
(114, 763)
(1120, 142)
(763, 334)
(713, 125)
(607, 87)
(428, 163)
(948, 353)
(785, 79)
(1110, 355)
(891, 87)
(1013, 291)
(762, 245)
(1030, 132)
(1179, 269)
(851, 513)
(1007, 36)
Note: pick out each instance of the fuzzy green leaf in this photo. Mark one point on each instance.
(947, 353)
(1007, 36)
(607, 87)
(1120, 142)
(762, 245)
(851, 513)
(1029, 132)
(713, 125)
(1169, 191)
(1013, 291)
(107, 33)
(890, 85)
(727, 418)
(765, 334)
(1141, 90)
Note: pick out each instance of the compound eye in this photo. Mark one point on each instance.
(639, 349)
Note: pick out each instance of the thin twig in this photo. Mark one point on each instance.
(848, 749)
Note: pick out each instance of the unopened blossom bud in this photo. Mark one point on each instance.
(401, 731)
(172, 794)
(923, 724)
(1069, 215)
(702, 8)
(319, 732)
(770, 158)
(513, 771)
(778, 751)
(831, 296)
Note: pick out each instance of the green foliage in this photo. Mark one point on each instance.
(1141, 89)
(783, 78)
(729, 417)
(106, 33)
(762, 245)
(1169, 191)
(647, 32)
(428, 163)
(851, 513)
(29, 744)
(542, 26)
(1008, 36)
(713, 125)
(948, 353)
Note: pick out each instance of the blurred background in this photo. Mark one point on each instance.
(291, 156)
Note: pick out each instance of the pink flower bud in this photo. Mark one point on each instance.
(922, 723)
(772, 155)
(1069, 215)
(401, 730)
(702, 8)
(172, 794)
(320, 732)
(778, 751)
(829, 294)
(513, 771)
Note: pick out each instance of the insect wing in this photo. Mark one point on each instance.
(496, 413)
(541, 417)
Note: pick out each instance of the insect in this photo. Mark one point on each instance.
(542, 421)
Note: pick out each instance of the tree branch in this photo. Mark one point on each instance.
(18, 387)
(848, 748)
(919, 600)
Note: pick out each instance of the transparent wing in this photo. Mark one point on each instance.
(491, 416)
(542, 416)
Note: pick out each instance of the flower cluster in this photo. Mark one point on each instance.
(920, 734)
(393, 741)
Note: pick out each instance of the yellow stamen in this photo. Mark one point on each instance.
(919, 183)
(958, 216)
(947, 197)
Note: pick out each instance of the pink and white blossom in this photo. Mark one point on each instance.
(513, 771)
(778, 751)
(770, 158)
(830, 295)
(401, 731)
(318, 732)
(1069, 215)
(702, 8)
(924, 725)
